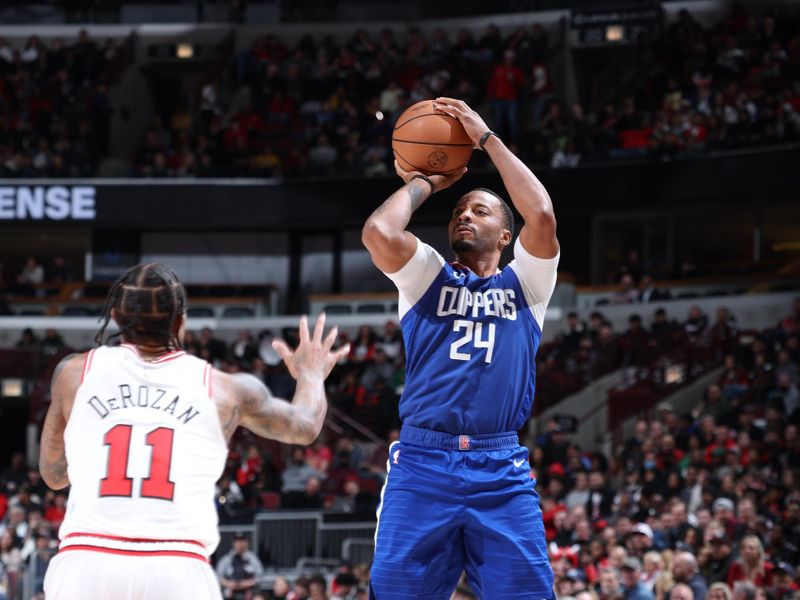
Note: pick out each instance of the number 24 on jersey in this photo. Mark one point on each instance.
(473, 332)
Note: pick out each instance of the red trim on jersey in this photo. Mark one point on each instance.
(160, 359)
(210, 378)
(87, 364)
(118, 538)
(170, 356)
(136, 552)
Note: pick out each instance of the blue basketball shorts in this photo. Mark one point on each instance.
(459, 503)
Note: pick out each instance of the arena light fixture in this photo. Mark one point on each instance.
(12, 388)
(674, 374)
(615, 33)
(184, 51)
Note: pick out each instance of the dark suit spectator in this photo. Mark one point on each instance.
(719, 559)
(239, 570)
(695, 325)
(601, 497)
(52, 343)
(295, 477)
(244, 349)
(210, 348)
(28, 341)
(60, 271)
(650, 292)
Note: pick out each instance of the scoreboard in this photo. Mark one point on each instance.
(608, 27)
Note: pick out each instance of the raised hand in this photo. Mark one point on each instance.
(313, 355)
(473, 124)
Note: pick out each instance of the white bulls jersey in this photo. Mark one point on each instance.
(144, 449)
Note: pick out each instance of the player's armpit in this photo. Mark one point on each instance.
(538, 236)
(271, 417)
(52, 454)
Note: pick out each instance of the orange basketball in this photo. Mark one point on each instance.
(429, 141)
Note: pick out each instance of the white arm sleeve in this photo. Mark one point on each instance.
(538, 279)
(416, 276)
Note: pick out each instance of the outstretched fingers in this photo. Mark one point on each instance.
(341, 353)
(319, 328)
(303, 330)
(282, 349)
(330, 339)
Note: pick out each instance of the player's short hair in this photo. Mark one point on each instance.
(508, 214)
(147, 299)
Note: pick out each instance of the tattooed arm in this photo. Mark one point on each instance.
(52, 455)
(384, 234)
(298, 421)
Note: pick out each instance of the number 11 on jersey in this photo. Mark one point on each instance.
(157, 484)
(473, 332)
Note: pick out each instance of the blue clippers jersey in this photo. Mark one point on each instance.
(471, 345)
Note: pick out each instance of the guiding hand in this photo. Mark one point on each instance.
(313, 354)
(440, 182)
(473, 124)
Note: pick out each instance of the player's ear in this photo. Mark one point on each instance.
(179, 329)
(178, 325)
(505, 239)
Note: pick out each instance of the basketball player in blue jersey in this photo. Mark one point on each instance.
(459, 494)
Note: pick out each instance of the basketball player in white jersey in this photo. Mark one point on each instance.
(140, 432)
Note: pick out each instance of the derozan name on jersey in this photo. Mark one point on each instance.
(41, 202)
(143, 396)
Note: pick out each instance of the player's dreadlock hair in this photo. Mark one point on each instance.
(146, 300)
(508, 214)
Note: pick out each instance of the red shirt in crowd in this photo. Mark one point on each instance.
(55, 515)
(762, 579)
(506, 82)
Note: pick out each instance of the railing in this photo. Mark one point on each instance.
(335, 415)
(290, 540)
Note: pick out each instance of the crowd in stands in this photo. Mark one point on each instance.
(733, 85)
(694, 503)
(324, 107)
(55, 111)
(310, 108)
(342, 474)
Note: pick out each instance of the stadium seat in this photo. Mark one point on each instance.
(270, 500)
(369, 485)
(199, 312)
(370, 308)
(78, 311)
(238, 312)
(338, 309)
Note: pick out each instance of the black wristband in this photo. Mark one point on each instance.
(485, 137)
(426, 179)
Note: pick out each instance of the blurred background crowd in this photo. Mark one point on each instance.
(322, 107)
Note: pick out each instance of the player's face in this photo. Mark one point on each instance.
(477, 224)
